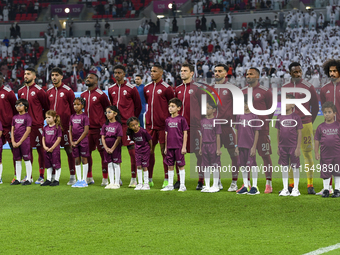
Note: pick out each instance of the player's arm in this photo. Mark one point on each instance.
(236, 144)
(12, 100)
(297, 150)
(322, 97)
(185, 139)
(70, 100)
(166, 143)
(269, 102)
(70, 135)
(12, 138)
(169, 93)
(44, 143)
(45, 103)
(137, 102)
(200, 151)
(150, 144)
(218, 144)
(0, 133)
(316, 149)
(253, 149)
(278, 139)
(105, 102)
(314, 103)
(57, 142)
(24, 137)
(107, 149)
(115, 145)
(83, 135)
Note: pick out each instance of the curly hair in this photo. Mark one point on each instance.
(331, 62)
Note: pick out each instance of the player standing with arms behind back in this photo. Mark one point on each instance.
(38, 106)
(157, 95)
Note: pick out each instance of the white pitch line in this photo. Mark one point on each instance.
(324, 250)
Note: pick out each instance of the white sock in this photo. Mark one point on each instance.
(268, 182)
(171, 178)
(140, 176)
(28, 165)
(234, 182)
(146, 177)
(49, 173)
(207, 177)
(296, 173)
(57, 174)
(133, 179)
(78, 172)
(111, 173)
(18, 168)
(117, 173)
(337, 182)
(182, 177)
(285, 177)
(254, 174)
(216, 177)
(0, 170)
(85, 171)
(326, 183)
(245, 176)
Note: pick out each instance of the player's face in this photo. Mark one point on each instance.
(210, 110)
(56, 78)
(333, 73)
(246, 108)
(186, 75)
(110, 114)
(328, 114)
(138, 81)
(91, 80)
(49, 119)
(78, 107)
(220, 73)
(173, 108)
(252, 77)
(20, 108)
(119, 75)
(296, 72)
(134, 125)
(156, 73)
(29, 77)
(289, 107)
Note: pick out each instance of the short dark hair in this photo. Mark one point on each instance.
(257, 70)
(212, 103)
(191, 67)
(94, 75)
(31, 70)
(176, 101)
(158, 66)
(57, 70)
(140, 76)
(24, 102)
(292, 65)
(81, 100)
(331, 62)
(329, 104)
(290, 96)
(222, 65)
(120, 67)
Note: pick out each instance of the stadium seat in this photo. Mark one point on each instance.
(94, 16)
(244, 25)
(127, 31)
(103, 60)
(100, 16)
(42, 34)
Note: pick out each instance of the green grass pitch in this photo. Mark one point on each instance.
(64, 220)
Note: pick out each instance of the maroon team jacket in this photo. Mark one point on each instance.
(7, 107)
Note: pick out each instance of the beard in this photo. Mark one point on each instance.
(89, 84)
(28, 81)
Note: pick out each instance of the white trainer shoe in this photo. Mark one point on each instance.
(133, 184)
(284, 193)
(205, 190)
(233, 187)
(116, 186)
(220, 185)
(145, 186)
(72, 181)
(182, 188)
(295, 193)
(109, 186)
(168, 188)
(105, 182)
(214, 189)
(138, 186)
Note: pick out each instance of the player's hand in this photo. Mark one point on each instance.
(200, 152)
(15, 145)
(50, 150)
(165, 151)
(278, 152)
(218, 152)
(107, 150)
(45, 148)
(151, 151)
(184, 151)
(252, 151)
(317, 156)
(236, 153)
(73, 144)
(297, 152)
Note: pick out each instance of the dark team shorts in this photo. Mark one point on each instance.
(193, 143)
(209, 156)
(6, 136)
(287, 155)
(65, 139)
(23, 151)
(95, 140)
(36, 136)
(143, 159)
(157, 135)
(52, 159)
(126, 141)
(263, 145)
(329, 167)
(174, 156)
(228, 137)
(81, 150)
(115, 157)
(244, 158)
